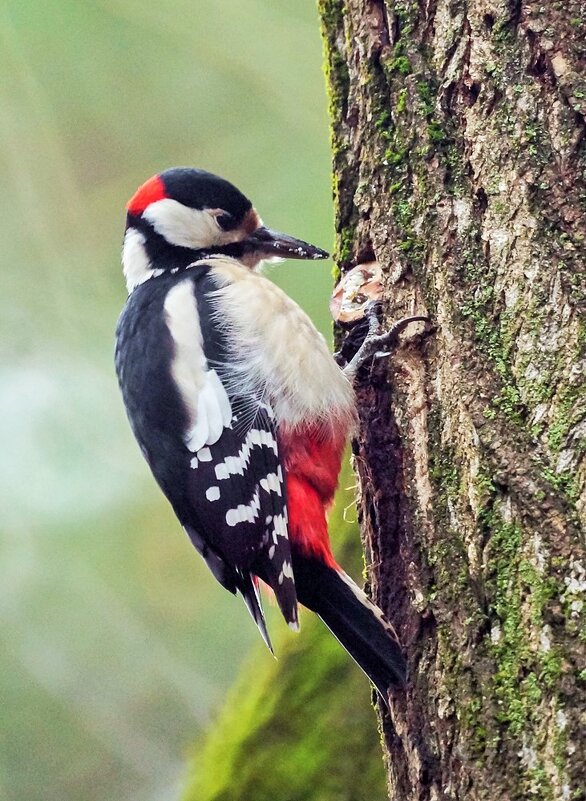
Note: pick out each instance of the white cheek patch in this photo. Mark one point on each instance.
(201, 391)
(182, 226)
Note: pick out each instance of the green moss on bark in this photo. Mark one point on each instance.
(336, 69)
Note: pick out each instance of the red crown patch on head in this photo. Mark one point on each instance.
(151, 191)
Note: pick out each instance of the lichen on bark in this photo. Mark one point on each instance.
(459, 156)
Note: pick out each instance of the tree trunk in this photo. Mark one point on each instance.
(459, 157)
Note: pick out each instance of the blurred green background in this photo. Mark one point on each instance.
(116, 645)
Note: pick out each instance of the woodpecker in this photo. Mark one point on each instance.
(239, 408)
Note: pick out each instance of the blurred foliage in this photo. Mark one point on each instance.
(116, 645)
(300, 728)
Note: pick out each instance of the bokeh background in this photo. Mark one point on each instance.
(116, 646)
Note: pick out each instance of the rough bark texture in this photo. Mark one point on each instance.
(459, 155)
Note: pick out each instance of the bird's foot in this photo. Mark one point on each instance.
(376, 345)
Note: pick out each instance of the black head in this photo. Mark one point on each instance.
(199, 189)
(192, 208)
(184, 213)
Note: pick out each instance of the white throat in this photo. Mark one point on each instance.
(135, 262)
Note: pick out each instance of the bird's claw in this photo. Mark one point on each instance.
(376, 345)
(372, 312)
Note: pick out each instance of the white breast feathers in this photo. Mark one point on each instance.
(275, 346)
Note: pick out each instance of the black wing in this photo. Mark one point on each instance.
(230, 493)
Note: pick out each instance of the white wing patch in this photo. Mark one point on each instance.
(201, 390)
(214, 413)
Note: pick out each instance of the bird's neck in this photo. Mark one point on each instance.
(146, 254)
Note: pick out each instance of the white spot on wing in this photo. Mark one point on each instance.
(204, 455)
(271, 483)
(213, 493)
(288, 570)
(235, 465)
(221, 471)
(280, 526)
(268, 409)
(244, 513)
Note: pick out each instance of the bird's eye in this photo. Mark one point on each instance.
(226, 221)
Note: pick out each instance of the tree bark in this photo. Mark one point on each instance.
(459, 156)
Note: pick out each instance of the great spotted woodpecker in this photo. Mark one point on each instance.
(239, 408)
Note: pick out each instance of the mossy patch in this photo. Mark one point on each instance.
(521, 586)
(335, 67)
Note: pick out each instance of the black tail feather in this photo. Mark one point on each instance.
(357, 623)
(249, 591)
(277, 572)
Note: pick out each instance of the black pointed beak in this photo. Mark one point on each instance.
(272, 243)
